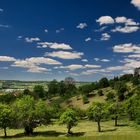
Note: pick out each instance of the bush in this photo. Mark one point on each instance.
(85, 99)
(110, 96)
(100, 93)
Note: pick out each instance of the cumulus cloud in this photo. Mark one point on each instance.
(7, 59)
(105, 37)
(30, 40)
(126, 21)
(136, 3)
(105, 20)
(65, 54)
(92, 66)
(126, 48)
(87, 39)
(54, 45)
(81, 25)
(126, 29)
(73, 67)
(32, 64)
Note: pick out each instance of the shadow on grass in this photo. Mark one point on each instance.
(76, 134)
(109, 130)
(122, 125)
(45, 134)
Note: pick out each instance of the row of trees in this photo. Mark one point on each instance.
(29, 113)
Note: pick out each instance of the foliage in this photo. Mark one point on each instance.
(97, 112)
(38, 91)
(69, 117)
(110, 96)
(85, 99)
(6, 117)
(103, 83)
(100, 92)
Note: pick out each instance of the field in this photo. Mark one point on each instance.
(85, 130)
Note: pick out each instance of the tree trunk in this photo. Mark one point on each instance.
(28, 130)
(69, 128)
(5, 133)
(116, 121)
(99, 126)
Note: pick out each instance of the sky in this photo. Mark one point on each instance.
(54, 39)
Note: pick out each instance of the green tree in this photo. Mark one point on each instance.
(53, 87)
(39, 92)
(30, 113)
(69, 117)
(26, 92)
(97, 112)
(115, 111)
(103, 83)
(121, 88)
(6, 117)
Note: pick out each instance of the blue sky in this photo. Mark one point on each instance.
(53, 39)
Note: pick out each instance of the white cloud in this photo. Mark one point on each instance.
(126, 29)
(7, 59)
(81, 25)
(126, 48)
(1, 10)
(104, 60)
(105, 20)
(87, 39)
(59, 30)
(30, 40)
(73, 67)
(37, 69)
(101, 29)
(126, 21)
(54, 45)
(136, 3)
(32, 64)
(92, 66)
(105, 37)
(4, 26)
(84, 60)
(46, 31)
(96, 59)
(65, 54)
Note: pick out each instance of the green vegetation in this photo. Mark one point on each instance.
(111, 107)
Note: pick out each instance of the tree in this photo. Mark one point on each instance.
(121, 88)
(6, 117)
(69, 117)
(103, 83)
(70, 85)
(115, 110)
(53, 87)
(39, 91)
(97, 112)
(135, 80)
(30, 114)
(26, 92)
(61, 88)
(130, 106)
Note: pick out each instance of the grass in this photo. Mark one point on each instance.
(85, 130)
